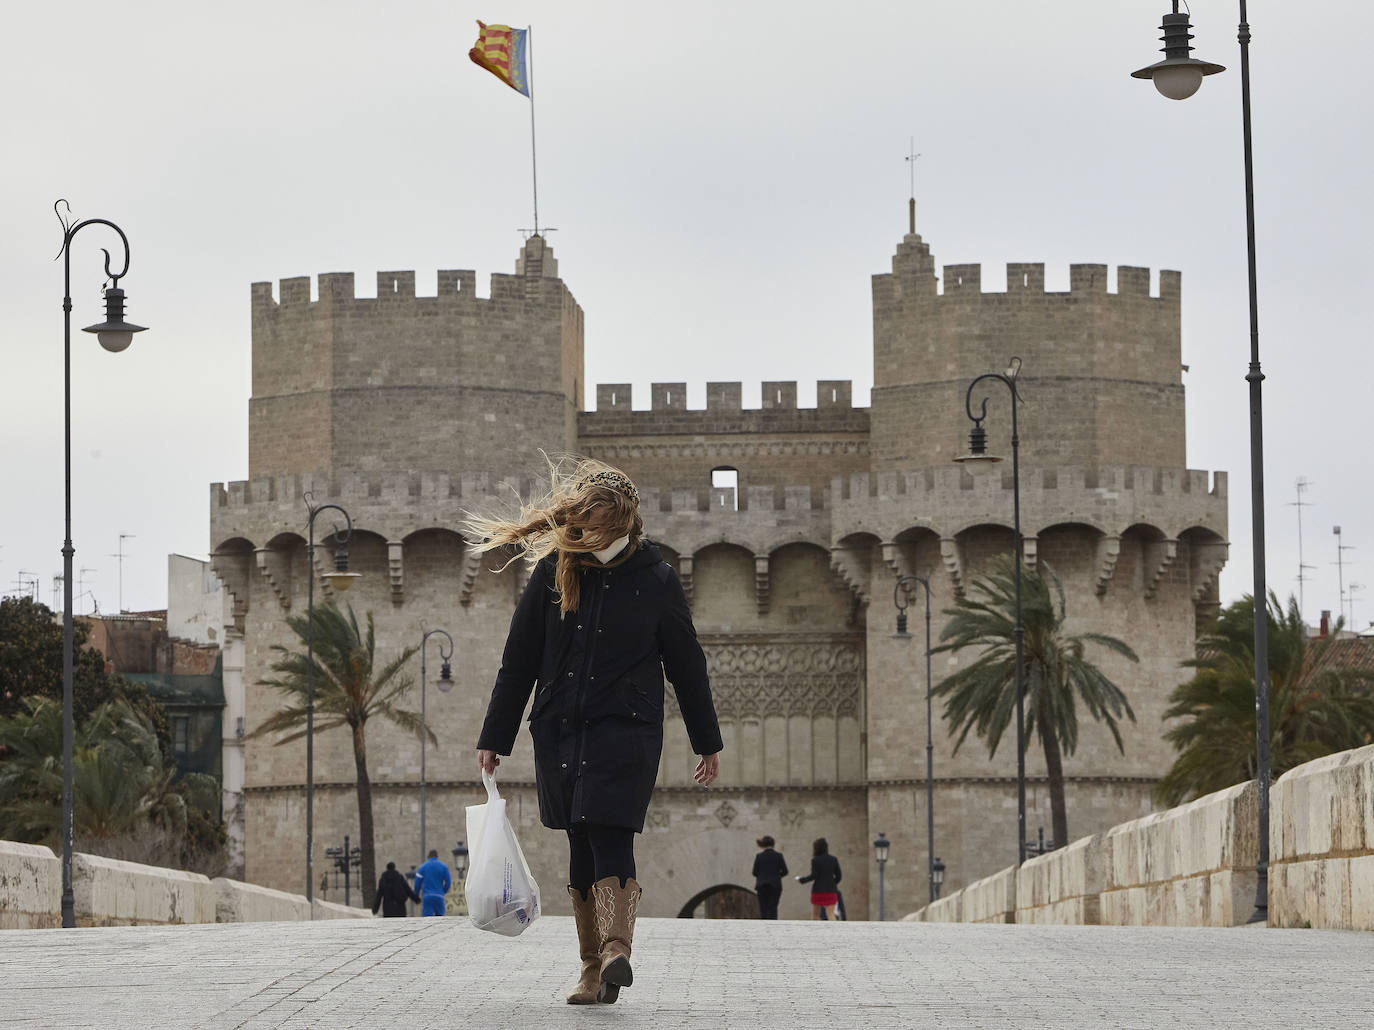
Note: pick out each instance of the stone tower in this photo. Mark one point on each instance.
(409, 410)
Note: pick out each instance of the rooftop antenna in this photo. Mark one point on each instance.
(27, 587)
(1302, 484)
(911, 204)
(81, 584)
(1354, 587)
(120, 555)
(56, 591)
(1340, 565)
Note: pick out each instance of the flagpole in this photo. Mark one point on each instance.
(534, 162)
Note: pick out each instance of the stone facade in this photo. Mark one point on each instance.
(408, 411)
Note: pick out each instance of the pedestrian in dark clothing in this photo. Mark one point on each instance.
(602, 619)
(769, 869)
(824, 879)
(392, 893)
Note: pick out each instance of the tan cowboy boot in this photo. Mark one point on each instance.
(588, 946)
(616, 907)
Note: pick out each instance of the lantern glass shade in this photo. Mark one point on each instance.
(880, 847)
(460, 860)
(938, 872)
(1177, 81)
(445, 681)
(341, 581)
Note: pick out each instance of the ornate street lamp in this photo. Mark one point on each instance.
(114, 335)
(345, 860)
(445, 684)
(978, 457)
(880, 847)
(938, 876)
(339, 579)
(1178, 77)
(901, 594)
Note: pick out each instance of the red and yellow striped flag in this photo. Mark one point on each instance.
(500, 49)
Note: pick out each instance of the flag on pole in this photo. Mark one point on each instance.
(500, 49)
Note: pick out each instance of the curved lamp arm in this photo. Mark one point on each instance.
(444, 656)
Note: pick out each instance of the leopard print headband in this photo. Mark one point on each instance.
(617, 481)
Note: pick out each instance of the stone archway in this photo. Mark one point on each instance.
(723, 901)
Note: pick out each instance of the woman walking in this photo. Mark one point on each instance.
(824, 879)
(602, 619)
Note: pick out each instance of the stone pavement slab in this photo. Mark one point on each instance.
(439, 973)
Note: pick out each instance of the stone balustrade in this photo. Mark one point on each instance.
(1194, 865)
(108, 892)
(1321, 854)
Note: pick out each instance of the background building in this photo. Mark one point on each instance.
(787, 525)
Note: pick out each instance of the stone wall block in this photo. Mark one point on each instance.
(1321, 843)
(237, 902)
(109, 892)
(30, 887)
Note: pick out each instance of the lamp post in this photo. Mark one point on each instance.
(460, 861)
(445, 684)
(978, 456)
(938, 876)
(1177, 77)
(880, 847)
(339, 579)
(114, 335)
(460, 870)
(900, 594)
(345, 859)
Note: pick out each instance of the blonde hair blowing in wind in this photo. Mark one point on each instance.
(588, 507)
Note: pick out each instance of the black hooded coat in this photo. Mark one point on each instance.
(597, 717)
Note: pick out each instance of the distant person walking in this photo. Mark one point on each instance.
(769, 869)
(392, 893)
(434, 880)
(824, 879)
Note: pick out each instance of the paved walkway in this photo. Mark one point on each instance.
(416, 974)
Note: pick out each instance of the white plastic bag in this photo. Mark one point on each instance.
(501, 894)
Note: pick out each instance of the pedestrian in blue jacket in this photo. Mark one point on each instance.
(432, 881)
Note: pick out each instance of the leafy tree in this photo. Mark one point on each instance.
(349, 690)
(1315, 709)
(31, 666)
(981, 697)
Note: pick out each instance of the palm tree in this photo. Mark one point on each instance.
(981, 697)
(126, 800)
(1315, 708)
(349, 691)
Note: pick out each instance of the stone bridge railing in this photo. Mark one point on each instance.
(113, 893)
(1195, 865)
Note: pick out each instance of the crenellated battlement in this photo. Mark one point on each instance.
(780, 395)
(1027, 280)
(1109, 498)
(454, 287)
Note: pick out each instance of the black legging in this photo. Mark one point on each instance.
(596, 852)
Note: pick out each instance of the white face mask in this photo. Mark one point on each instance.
(606, 554)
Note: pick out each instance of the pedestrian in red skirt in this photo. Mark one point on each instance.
(824, 879)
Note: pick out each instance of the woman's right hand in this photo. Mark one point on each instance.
(487, 761)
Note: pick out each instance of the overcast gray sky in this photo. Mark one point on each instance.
(724, 179)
